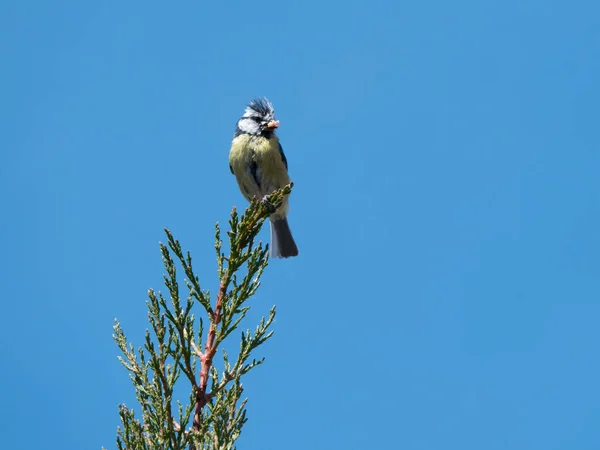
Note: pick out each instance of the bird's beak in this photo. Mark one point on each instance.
(272, 125)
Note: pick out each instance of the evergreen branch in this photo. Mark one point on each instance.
(173, 342)
(241, 239)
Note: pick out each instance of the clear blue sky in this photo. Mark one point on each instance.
(446, 161)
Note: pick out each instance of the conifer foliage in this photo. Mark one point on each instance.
(180, 346)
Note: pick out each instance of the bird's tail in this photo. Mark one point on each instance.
(282, 242)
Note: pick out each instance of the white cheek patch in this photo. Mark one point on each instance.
(248, 126)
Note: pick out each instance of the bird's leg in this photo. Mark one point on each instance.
(270, 207)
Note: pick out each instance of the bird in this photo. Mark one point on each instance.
(260, 167)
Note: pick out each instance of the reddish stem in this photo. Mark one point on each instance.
(210, 349)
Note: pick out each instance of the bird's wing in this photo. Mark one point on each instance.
(254, 170)
(283, 156)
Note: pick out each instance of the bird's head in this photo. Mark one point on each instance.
(258, 119)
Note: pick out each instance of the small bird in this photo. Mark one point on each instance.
(260, 167)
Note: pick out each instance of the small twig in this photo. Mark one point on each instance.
(227, 377)
(199, 354)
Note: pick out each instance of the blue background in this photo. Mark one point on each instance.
(445, 155)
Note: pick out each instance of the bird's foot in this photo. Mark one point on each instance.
(270, 207)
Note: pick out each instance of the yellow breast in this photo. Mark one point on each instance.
(265, 153)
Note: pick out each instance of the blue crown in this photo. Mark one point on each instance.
(262, 106)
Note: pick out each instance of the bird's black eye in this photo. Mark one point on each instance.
(257, 119)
